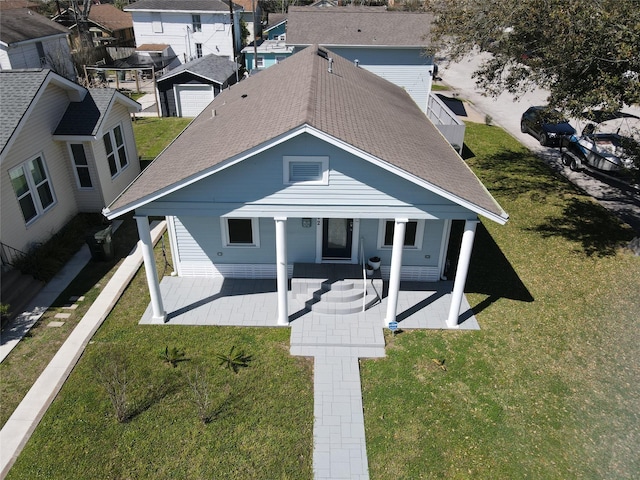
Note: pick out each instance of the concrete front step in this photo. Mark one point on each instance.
(338, 297)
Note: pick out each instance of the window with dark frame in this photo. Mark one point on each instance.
(81, 165)
(410, 234)
(198, 50)
(240, 231)
(116, 150)
(196, 23)
(30, 182)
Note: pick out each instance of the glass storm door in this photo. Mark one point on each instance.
(337, 234)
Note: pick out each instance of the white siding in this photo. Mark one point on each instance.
(112, 187)
(215, 36)
(88, 200)
(34, 139)
(25, 55)
(415, 79)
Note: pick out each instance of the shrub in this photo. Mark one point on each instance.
(234, 360)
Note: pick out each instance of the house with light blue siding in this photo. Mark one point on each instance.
(268, 53)
(276, 27)
(333, 165)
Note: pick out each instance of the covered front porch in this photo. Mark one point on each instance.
(254, 303)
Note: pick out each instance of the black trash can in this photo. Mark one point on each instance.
(101, 244)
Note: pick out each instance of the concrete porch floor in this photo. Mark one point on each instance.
(253, 303)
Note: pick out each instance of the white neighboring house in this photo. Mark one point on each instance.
(64, 149)
(31, 40)
(192, 28)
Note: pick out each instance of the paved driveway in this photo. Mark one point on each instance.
(506, 111)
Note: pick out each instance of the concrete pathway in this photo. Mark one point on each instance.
(20, 325)
(339, 444)
(16, 432)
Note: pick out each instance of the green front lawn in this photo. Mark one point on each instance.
(550, 387)
(261, 417)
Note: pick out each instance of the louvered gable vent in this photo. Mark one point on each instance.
(305, 171)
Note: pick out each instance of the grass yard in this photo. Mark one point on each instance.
(29, 358)
(550, 387)
(154, 134)
(261, 418)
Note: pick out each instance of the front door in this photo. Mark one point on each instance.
(337, 234)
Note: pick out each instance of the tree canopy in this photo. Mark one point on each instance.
(586, 53)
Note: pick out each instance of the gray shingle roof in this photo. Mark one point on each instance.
(84, 118)
(365, 26)
(17, 90)
(20, 24)
(275, 19)
(180, 5)
(211, 67)
(350, 104)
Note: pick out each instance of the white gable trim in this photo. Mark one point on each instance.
(37, 39)
(75, 92)
(204, 174)
(172, 74)
(501, 219)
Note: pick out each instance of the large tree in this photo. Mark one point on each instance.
(586, 53)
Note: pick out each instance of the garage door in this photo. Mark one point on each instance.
(191, 99)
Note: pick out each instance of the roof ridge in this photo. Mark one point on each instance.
(312, 93)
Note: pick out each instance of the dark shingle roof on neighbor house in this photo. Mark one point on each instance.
(275, 19)
(180, 6)
(18, 88)
(21, 24)
(357, 26)
(212, 67)
(83, 116)
(349, 104)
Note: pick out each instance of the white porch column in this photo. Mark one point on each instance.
(461, 272)
(396, 265)
(159, 315)
(281, 270)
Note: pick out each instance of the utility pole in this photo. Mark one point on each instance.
(255, 36)
(233, 31)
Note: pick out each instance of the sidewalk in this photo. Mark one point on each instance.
(44, 299)
(24, 420)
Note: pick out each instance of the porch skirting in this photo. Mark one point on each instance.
(408, 273)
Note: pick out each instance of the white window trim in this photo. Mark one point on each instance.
(324, 162)
(260, 62)
(33, 189)
(255, 230)
(76, 166)
(156, 22)
(419, 234)
(119, 168)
